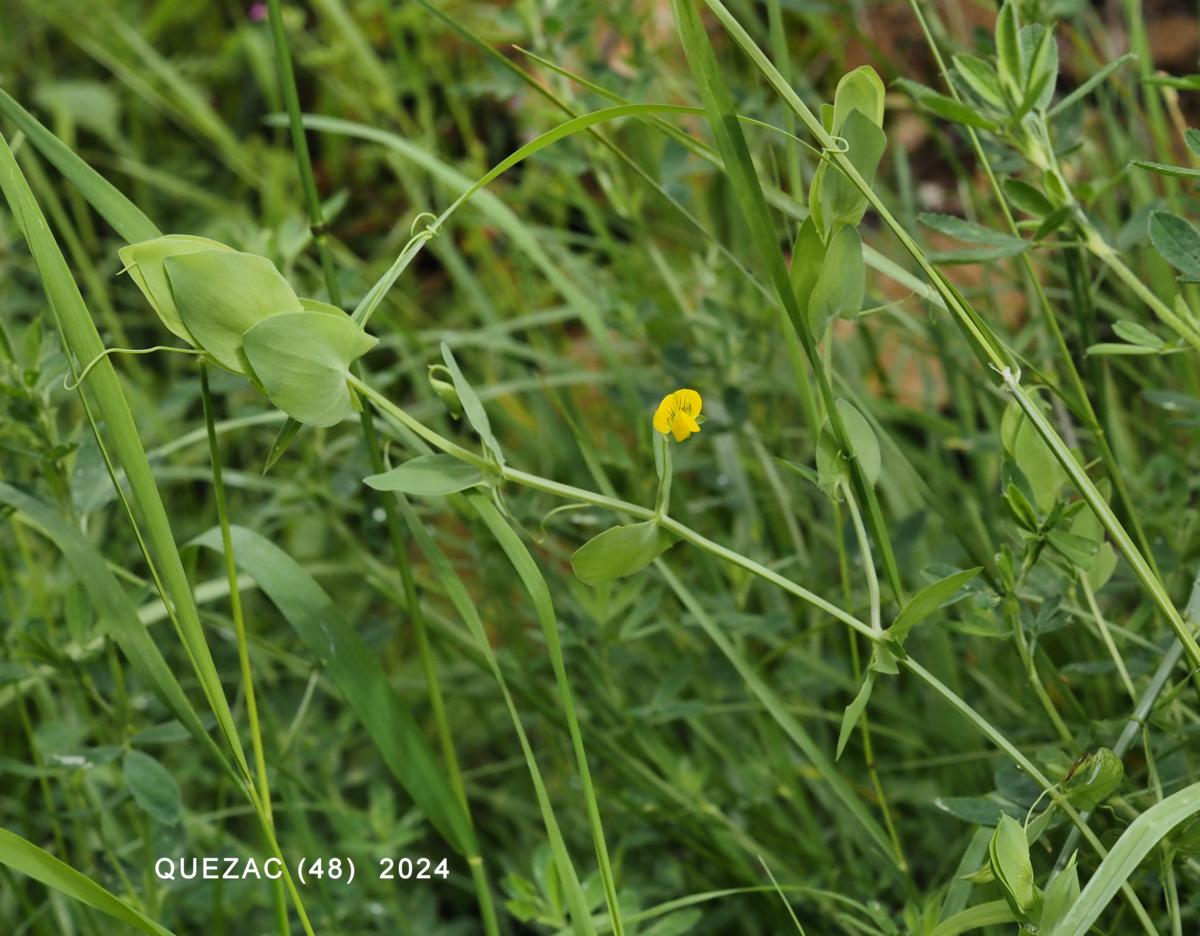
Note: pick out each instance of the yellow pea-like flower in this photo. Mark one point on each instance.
(677, 414)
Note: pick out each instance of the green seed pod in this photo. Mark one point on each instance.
(1094, 779)
(1009, 853)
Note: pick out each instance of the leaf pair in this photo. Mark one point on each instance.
(240, 311)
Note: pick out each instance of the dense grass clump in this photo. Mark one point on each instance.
(650, 468)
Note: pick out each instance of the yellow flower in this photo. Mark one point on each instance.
(677, 414)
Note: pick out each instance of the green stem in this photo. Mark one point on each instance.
(239, 628)
(312, 201)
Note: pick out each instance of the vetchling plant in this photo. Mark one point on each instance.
(966, 647)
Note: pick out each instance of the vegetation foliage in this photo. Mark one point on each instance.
(654, 468)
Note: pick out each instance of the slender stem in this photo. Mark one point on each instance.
(239, 627)
(868, 562)
(437, 701)
(312, 201)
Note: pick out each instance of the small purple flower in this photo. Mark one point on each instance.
(258, 12)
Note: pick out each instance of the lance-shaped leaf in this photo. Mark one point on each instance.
(222, 294)
(303, 360)
(145, 263)
(428, 476)
(620, 551)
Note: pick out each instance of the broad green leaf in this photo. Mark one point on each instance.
(355, 669)
(222, 294)
(832, 463)
(981, 78)
(841, 200)
(1080, 550)
(861, 90)
(1026, 198)
(26, 858)
(152, 786)
(1060, 896)
(302, 360)
(1009, 853)
(472, 406)
(841, 284)
(1103, 566)
(1032, 456)
(1135, 843)
(928, 600)
(1178, 242)
(1095, 779)
(854, 712)
(620, 551)
(428, 476)
(145, 263)
(808, 254)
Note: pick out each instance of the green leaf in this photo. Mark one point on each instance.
(841, 200)
(808, 255)
(947, 107)
(1135, 843)
(854, 712)
(428, 476)
(982, 79)
(927, 600)
(1137, 334)
(1163, 169)
(1026, 198)
(620, 551)
(472, 407)
(832, 463)
(1095, 779)
(222, 294)
(26, 858)
(1009, 853)
(1080, 550)
(145, 263)
(861, 90)
(1062, 893)
(1192, 138)
(1088, 86)
(841, 284)
(969, 232)
(1040, 55)
(1178, 242)
(1032, 456)
(302, 360)
(152, 786)
(1008, 49)
(125, 217)
(355, 669)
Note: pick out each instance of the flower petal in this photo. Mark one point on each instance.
(688, 401)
